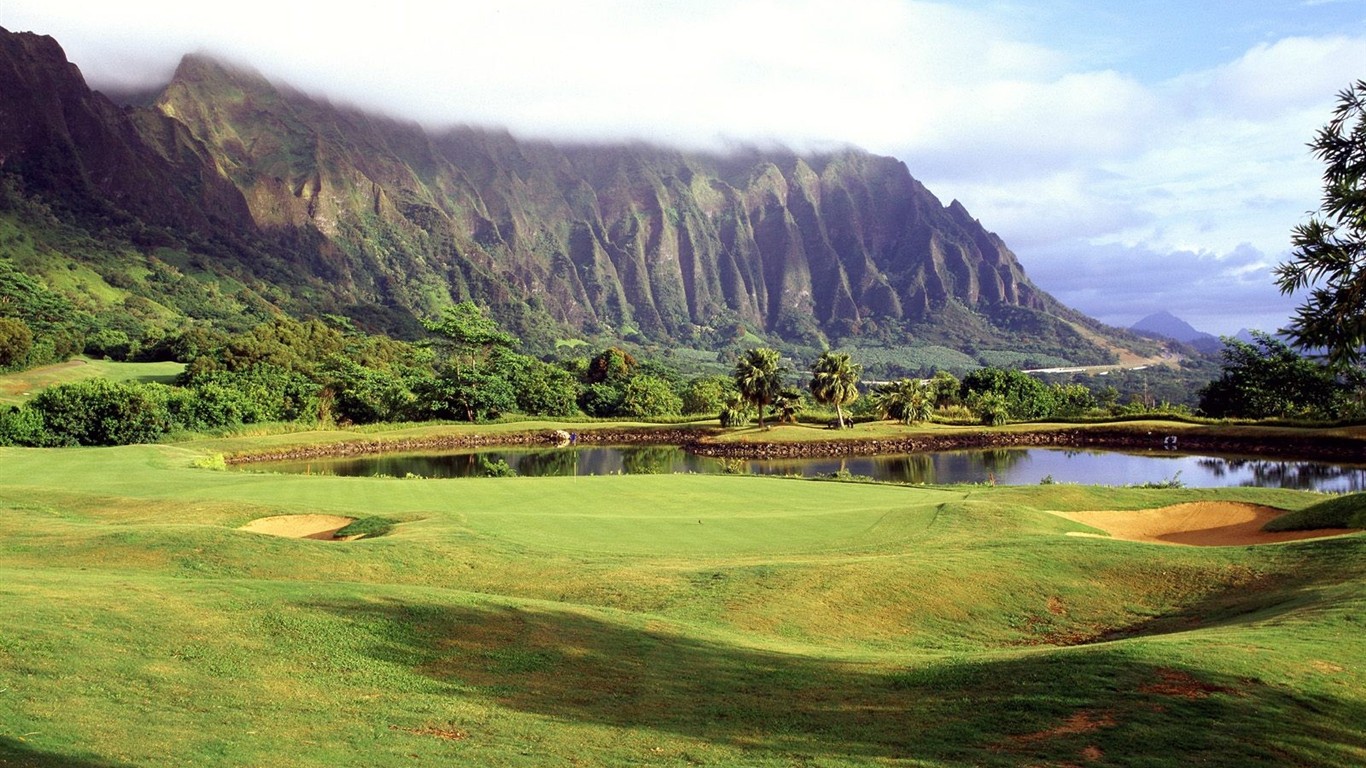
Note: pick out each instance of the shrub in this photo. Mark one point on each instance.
(367, 527)
(991, 407)
(707, 394)
(649, 396)
(21, 426)
(101, 412)
(1025, 397)
(601, 400)
(498, 468)
(16, 341)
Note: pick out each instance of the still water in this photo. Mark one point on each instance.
(1010, 466)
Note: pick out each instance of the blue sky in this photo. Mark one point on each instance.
(1158, 39)
(1137, 156)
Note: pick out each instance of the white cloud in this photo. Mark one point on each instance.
(1052, 152)
(1218, 293)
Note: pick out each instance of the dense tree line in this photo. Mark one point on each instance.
(322, 371)
(470, 369)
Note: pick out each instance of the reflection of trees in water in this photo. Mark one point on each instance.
(911, 468)
(552, 463)
(926, 468)
(404, 464)
(977, 466)
(1298, 475)
(943, 467)
(649, 460)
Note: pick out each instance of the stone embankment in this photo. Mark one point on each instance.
(701, 441)
(543, 438)
(1324, 448)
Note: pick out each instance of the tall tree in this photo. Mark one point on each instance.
(759, 378)
(470, 333)
(834, 381)
(1267, 378)
(1329, 256)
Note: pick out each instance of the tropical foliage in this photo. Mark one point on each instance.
(1329, 256)
(1267, 378)
(834, 381)
(1025, 397)
(905, 400)
(759, 378)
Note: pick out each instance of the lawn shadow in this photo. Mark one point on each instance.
(1067, 706)
(1288, 586)
(17, 754)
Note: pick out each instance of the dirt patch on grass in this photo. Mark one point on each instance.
(449, 734)
(322, 527)
(1080, 723)
(1174, 682)
(1200, 524)
(1085, 721)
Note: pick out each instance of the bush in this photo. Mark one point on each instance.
(1026, 397)
(649, 396)
(707, 394)
(110, 343)
(16, 341)
(498, 468)
(544, 389)
(600, 400)
(992, 408)
(101, 412)
(367, 528)
(21, 426)
(208, 407)
(267, 392)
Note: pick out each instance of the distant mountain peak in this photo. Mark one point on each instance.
(1166, 325)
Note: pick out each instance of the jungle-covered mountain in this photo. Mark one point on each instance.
(224, 196)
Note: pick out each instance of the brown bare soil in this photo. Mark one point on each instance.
(1200, 524)
(322, 527)
(1174, 682)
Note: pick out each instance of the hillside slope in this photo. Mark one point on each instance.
(385, 221)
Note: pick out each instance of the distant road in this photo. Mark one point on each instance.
(1170, 359)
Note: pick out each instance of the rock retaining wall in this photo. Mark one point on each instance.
(698, 441)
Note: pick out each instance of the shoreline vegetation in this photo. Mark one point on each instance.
(806, 441)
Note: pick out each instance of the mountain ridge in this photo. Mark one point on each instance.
(385, 221)
(1165, 325)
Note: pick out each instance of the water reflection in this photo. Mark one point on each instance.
(1305, 476)
(1005, 466)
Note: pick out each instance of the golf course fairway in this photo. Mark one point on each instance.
(654, 620)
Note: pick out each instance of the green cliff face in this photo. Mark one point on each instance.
(385, 220)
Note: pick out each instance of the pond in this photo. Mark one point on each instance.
(1004, 466)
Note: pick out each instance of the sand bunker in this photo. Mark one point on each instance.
(1200, 524)
(301, 526)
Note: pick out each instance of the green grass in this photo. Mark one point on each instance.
(15, 388)
(368, 527)
(652, 620)
(1348, 511)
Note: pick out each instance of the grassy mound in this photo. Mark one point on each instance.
(367, 527)
(1348, 511)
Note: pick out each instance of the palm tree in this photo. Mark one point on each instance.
(735, 411)
(834, 381)
(787, 405)
(906, 400)
(759, 378)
